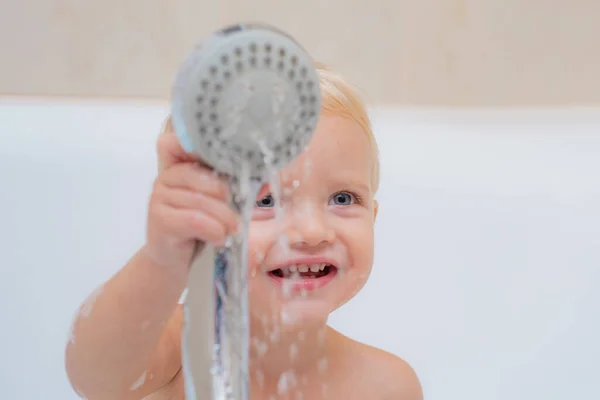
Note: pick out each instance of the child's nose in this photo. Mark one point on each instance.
(310, 229)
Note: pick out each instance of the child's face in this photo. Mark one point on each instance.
(325, 224)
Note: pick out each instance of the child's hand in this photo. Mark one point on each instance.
(188, 203)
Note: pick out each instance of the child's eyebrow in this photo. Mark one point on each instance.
(350, 183)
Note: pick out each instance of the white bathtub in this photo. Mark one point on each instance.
(487, 272)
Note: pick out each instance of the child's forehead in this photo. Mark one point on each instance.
(339, 148)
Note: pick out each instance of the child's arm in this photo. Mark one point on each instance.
(128, 346)
(126, 339)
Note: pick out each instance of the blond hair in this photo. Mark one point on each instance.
(341, 99)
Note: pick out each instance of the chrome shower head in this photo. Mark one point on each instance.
(248, 97)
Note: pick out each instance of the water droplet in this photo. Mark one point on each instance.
(72, 330)
(282, 385)
(139, 382)
(287, 288)
(79, 392)
(322, 366)
(287, 318)
(261, 348)
(260, 378)
(321, 337)
(287, 381)
(88, 305)
(274, 335)
(259, 257)
(307, 167)
(293, 351)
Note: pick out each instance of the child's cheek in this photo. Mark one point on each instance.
(257, 248)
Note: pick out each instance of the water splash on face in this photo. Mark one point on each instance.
(286, 288)
(259, 257)
(280, 317)
(276, 192)
(307, 165)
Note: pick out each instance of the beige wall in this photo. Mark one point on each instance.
(434, 52)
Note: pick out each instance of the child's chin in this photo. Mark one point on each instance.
(301, 313)
(296, 313)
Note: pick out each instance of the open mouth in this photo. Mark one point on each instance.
(304, 271)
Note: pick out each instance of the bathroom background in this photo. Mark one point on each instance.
(487, 112)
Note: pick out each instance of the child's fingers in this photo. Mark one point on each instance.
(194, 177)
(187, 223)
(199, 202)
(169, 150)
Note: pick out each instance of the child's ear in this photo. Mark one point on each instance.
(375, 209)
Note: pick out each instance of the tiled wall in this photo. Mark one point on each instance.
(425, 52)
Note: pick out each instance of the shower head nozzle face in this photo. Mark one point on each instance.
(247, 98)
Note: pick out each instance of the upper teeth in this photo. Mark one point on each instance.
(307, 267)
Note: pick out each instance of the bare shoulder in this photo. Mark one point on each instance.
(397, 379)
(388, 376)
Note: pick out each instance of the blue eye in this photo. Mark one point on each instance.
(266, 201)
(343, 199)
